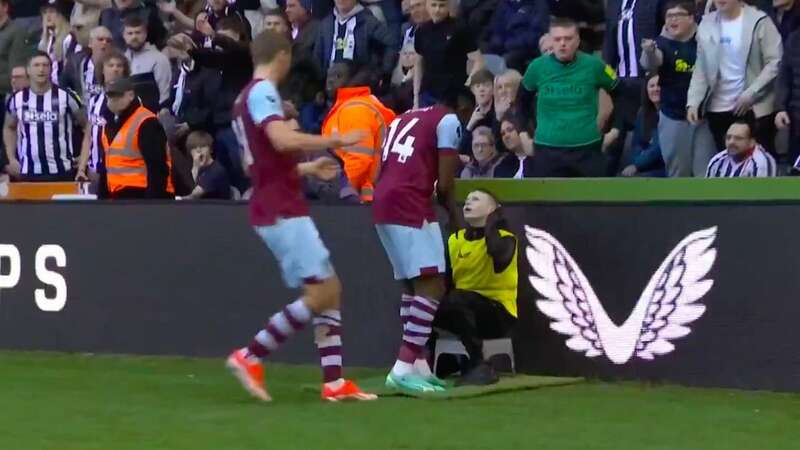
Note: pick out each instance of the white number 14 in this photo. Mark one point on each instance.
(393, 144)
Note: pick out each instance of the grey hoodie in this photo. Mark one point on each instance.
(150, 60)
(761, 41)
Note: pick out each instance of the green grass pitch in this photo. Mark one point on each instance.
(79, 402)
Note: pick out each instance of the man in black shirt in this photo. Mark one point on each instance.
(444, 45)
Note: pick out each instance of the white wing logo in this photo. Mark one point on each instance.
(666, 308)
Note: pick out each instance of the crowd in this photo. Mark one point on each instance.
(544, 88)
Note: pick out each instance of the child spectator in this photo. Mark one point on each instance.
(211, 179)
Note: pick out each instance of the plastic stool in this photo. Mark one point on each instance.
(448, 344)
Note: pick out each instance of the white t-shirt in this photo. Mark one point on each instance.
(732, 66)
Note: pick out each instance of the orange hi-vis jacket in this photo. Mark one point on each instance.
(357, 109)
(125, 166)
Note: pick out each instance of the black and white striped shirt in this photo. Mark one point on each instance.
(44, 129)
(626, 41)
(69, 47)
(97, 113)
(758, 164)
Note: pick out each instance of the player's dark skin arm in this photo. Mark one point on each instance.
(445, 188)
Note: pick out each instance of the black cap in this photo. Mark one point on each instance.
(64, 7)
(120, 87)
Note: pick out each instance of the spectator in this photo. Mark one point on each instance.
(786, 15)
(225, 8)
(195, 92)
(592, 13)
(211, 179)
(39, 139)
(91, 163)
(80, 74)
(402, 95)
(356, 109)
(485, 156)
(306, 81)
(743, 155)
(444, 45)
(737, 61)
(418, 15)
(507, 99)
(788, 95)
(483, 303)
(19, 81)
(276, 20)
(13, 51)
(57, 40)
(141, 170)
(519, 163)
(686, 148)
(482, 88)
(627, 23)
(567, 139)
(515, 30)
(353, 33)
(230, 56)
(150, 69)
(646, 157)
(305, 29)
(114, 17)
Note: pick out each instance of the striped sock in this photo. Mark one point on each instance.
(283, 324)
(328, 337)
(405, 307)
(418, 328)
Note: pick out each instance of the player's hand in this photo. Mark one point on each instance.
(13, 168)
(325, 168)
(782, 120)
(648, 45)
(630, 171)
(692, 116)
(348, 139)
(743, 104)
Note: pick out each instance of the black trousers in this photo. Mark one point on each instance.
(627, 102)
(473, 318)
(719, 122)
(586, 161)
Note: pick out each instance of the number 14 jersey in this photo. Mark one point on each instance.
(410, 165)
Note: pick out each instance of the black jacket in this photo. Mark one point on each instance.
(233, 60)
(789, 23)
(153, 145)
(509, 166)
(787, 85)
(376, 48)
(200, 92)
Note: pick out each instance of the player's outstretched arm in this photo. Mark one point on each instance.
(325, 168)
(285, 139)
